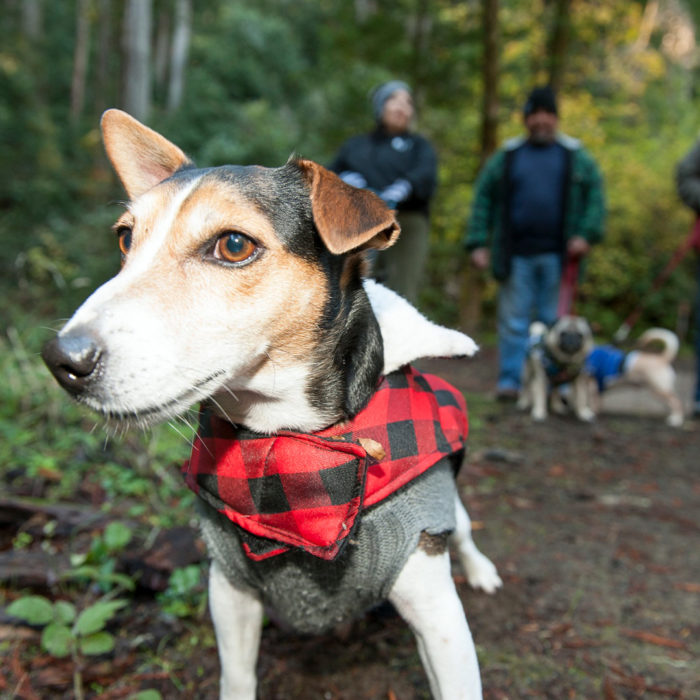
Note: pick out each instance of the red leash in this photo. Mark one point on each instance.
(691, 241)
(568, 287)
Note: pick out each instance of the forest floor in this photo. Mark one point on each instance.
(594, 530)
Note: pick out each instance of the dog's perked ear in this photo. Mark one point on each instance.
(348, 218)
(141, 157)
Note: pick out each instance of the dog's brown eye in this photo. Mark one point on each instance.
(234, 248)
(124, 233)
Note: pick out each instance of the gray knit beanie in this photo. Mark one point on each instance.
(382, 93)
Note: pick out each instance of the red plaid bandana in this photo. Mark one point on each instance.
(306, 490)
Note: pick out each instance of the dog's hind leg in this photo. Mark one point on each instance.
(238, 616)
(480, 570)
(424, 595)
(662, 383)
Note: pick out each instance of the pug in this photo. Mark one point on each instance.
(556, 357)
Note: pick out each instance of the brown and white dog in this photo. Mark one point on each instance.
(241, 287)
(644, 366)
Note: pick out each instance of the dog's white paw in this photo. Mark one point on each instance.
(538, 415)
(586, 415)
(675, 420)
(482, 573)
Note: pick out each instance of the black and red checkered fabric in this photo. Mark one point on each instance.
(307, 490)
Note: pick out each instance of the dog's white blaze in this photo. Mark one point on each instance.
(153, 244)
(140, 263)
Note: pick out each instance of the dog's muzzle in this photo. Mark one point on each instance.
(571, 342)
(74, 359)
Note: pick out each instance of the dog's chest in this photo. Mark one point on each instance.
(557, 371)
(308, 491)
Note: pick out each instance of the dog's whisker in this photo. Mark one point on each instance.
(217, 404)
(231, 393)
(188, 440)
(191, 426)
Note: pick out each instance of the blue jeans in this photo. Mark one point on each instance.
(531, 293)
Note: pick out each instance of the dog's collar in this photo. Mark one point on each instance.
(306, 490)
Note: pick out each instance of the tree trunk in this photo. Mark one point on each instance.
(180, 49)
(103, 92)
(473, 280)
(80, 58)
(364, 9)
(558, 43)
(646, 27)
(418, 29)
(137, 50)
(162, 52)
(31, 19)
(490, 75)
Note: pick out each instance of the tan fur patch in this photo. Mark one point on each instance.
(433, 545)
(282, 292)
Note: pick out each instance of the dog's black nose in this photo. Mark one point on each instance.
(73, 359)
(571, 341)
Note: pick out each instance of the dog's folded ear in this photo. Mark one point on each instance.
(141, 157)
(348, 218)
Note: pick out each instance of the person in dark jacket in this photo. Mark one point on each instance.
(538, 202)
(401, 167)
(688, 185)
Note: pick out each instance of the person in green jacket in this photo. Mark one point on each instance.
(538, 202)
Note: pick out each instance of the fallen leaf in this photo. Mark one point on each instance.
(688, 587)
(609, 690)
(580, 643)
(13, 634)
(652, 638)
(374, 449)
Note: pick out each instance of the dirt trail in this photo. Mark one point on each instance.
(594, 530)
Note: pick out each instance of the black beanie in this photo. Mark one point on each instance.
(541, 98)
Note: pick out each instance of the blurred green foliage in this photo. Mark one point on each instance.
(269, 78)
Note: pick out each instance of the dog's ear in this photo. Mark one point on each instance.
(348, 218)
(141, 157)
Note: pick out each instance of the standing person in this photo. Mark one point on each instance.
(688, 185)
(401, 167)
(538, 202)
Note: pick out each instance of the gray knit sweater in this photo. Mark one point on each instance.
(311, 594)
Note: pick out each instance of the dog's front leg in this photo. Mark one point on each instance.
(237, 615)
(539, 385)
(424, 595)
(582, 403)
